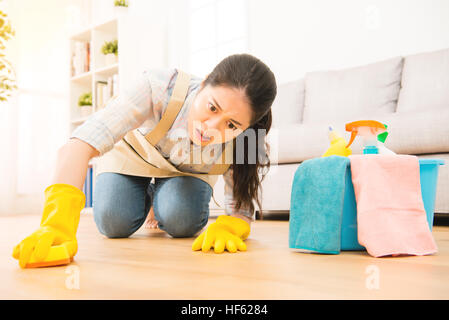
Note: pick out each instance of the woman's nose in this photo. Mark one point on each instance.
(212, 123)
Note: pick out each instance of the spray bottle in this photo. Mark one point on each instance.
(338, 145)
(369, 131)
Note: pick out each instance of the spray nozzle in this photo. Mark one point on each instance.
(369, 129)
(383, 136)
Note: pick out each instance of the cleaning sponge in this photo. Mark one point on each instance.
(57, 256)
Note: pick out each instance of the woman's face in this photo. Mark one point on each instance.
(218, 114)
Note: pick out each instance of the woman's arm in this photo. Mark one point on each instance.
(72, 163)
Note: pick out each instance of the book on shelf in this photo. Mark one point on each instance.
(81, 59)
(88, 187)
(105, 90)
(99, 92)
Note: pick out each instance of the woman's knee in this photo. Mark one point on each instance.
(181, 206)
(112, 223)
(120, 204)
(180, 224)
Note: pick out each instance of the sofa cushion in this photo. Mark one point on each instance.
(289, 103)
(348, 94)
(425, 82)
(418, 132)
(411, 133)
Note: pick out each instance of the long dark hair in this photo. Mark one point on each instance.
(246, 72)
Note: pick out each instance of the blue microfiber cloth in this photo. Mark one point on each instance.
(316, 206)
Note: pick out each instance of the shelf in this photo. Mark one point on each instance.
(109, 26)
(108, 70)
(85, 78)
(84, 35)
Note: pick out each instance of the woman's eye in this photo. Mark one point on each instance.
(212, 107)
(231, 126)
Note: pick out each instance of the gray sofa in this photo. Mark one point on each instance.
(410, 94)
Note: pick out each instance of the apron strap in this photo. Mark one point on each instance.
(174, 106)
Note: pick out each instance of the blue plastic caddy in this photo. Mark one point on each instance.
(428, 170)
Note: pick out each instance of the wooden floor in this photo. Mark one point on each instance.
(152, 265)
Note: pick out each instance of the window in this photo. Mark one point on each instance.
(218, 28)
(42, 97)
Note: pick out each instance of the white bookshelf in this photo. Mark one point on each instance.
(98, 69)
(85, 81)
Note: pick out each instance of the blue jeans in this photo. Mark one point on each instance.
(121, 204)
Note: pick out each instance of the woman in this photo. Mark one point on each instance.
(149, 140)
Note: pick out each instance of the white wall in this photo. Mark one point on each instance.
(143, 38)
(178, 46)
(297, 36)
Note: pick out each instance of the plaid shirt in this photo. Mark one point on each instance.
(141, 106)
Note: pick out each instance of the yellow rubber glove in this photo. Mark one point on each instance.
(227, 232)
(60, 219)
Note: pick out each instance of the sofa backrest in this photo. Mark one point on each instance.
(402, 84)
(288, 105)
(425, 82)
(347, 95)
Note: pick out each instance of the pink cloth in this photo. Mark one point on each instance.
(391, 218)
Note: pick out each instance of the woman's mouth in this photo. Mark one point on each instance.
(201, 137)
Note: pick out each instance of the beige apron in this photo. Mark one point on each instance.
(136, 154)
